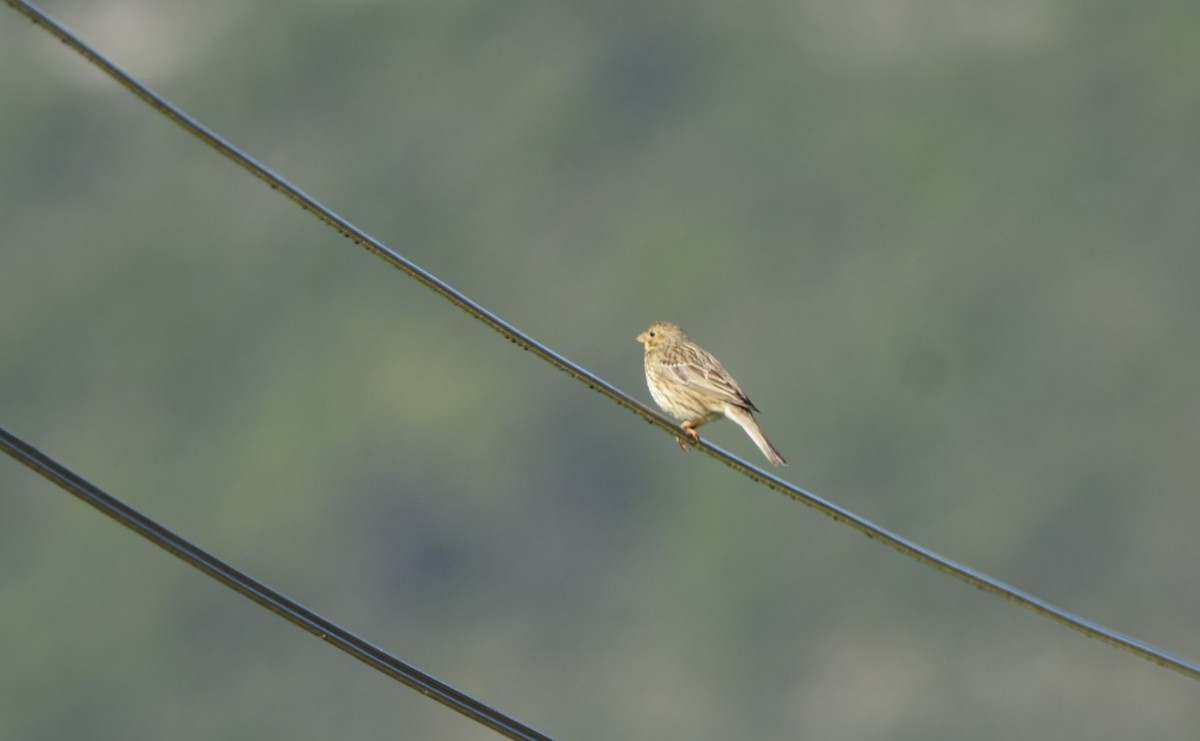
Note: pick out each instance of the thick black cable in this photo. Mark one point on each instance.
(868, 528)
(260, 593)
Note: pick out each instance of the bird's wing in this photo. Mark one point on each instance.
(703, 372)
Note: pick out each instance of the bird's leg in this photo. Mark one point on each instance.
(688, 428)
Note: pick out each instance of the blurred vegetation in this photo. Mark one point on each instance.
(949, 248)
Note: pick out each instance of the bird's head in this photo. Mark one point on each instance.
(660, 333)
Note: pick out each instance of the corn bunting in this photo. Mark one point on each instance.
(691, 385)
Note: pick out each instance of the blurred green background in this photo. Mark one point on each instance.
(950, 248)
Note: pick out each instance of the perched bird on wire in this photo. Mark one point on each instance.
(689, 384)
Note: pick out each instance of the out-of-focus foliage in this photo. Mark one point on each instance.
(950, 248)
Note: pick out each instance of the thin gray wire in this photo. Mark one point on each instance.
(868, 528)
(263, 595)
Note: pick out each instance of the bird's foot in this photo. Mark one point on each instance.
(690, 431)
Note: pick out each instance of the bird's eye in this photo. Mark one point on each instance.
(653, 333)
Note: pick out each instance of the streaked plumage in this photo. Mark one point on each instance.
(690, 385)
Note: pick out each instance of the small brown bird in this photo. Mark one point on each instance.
(691, 385)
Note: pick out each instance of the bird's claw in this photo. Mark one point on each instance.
(691, 432)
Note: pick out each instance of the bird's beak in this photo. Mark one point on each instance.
(642, 338)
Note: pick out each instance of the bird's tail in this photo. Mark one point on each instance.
(747, 422)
